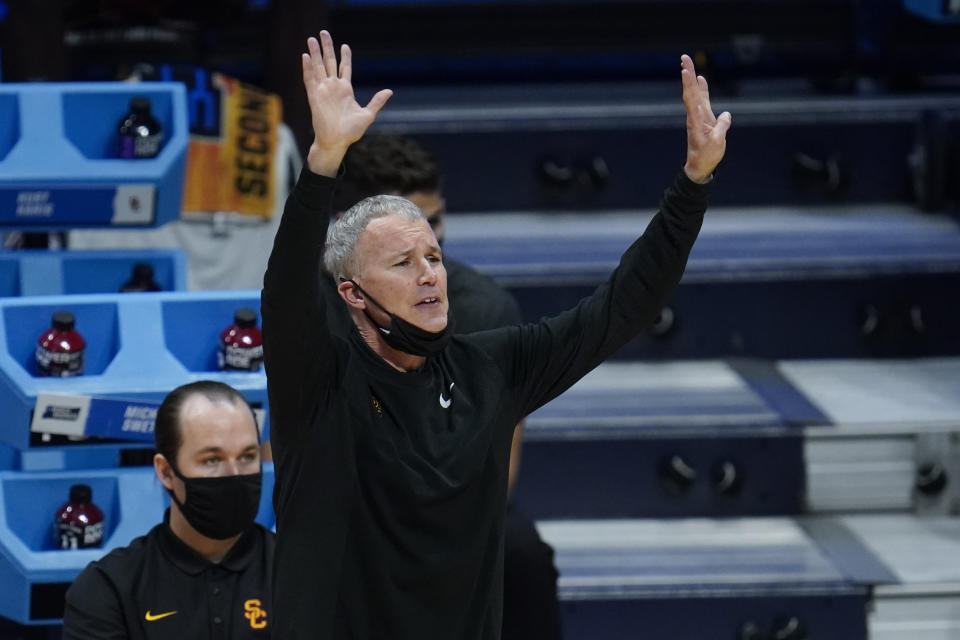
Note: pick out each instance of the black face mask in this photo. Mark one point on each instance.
(220, 507)
(407, 337)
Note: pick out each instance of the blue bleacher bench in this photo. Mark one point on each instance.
(34, 272)
(58, 162)
(139, 347)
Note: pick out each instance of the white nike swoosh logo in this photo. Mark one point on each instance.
(445, 402)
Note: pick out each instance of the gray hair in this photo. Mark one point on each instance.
(338, 255)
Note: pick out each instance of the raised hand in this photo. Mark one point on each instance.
(338, 120)
(706, 133)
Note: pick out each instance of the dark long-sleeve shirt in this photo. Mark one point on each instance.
(391, 486)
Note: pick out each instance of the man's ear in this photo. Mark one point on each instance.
(351, 295)
(163, 470)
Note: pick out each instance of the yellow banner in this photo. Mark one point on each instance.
(235, 171)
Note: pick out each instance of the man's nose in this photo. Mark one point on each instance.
(428, 275)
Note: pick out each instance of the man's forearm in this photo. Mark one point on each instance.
(654, 264)
(294, 263)
(295, 331)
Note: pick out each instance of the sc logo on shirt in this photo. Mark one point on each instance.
(253, 611)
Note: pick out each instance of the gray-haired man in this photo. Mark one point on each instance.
(392, 446)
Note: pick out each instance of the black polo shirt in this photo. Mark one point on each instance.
(159, 588)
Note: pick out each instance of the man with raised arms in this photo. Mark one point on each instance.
(392, 445)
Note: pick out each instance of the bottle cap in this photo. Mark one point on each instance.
(140, 104)
(245, 318)
(63, 321)
(142, 273)
(80, 493)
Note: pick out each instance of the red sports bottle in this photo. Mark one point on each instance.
(60, 348)
(241, 345)
(78, 523)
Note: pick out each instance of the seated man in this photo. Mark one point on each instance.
(395, 165)
(392, 444)
(205, 571)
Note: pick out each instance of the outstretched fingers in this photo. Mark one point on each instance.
(307, 71)
(312, 68)
(337, 119)
(329, 58)
(378, 100)
(705, 99)
(691, 88)
(696, 99)
(706, 132)
(320, 61)
(719, 131)
(346, 63)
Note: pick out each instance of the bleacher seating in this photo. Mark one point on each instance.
(802, 380)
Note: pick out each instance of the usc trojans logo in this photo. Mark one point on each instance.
(253, 613)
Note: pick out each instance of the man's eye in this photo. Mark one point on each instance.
(248, 457)
(211, 460)
(433, 258)
(402, 263)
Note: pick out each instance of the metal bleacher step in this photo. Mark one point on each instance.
(768, 282)
(893, 438)
(882, 576)
(701, 578)
(601, 149)
(923, 554)
(642, 440)
(839, 527)
(747, 438)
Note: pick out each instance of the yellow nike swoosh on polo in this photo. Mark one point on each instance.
(149, 617)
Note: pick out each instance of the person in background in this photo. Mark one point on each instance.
(398, 165)
(205, 571)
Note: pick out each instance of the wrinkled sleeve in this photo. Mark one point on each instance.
(541, 360)
(296, 339)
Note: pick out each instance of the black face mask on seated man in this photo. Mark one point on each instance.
(407, 337)
(222, 506)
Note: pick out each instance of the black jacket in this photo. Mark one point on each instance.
(391, 487)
